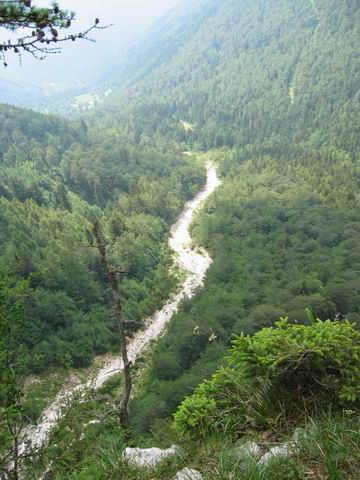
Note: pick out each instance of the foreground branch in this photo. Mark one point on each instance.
(41, 29)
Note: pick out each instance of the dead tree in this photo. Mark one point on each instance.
(111, 274)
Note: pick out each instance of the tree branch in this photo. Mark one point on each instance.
(41, 25)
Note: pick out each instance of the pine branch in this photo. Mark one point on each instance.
(42, 29)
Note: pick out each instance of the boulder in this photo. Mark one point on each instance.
(188, 474)
(148, 457)
(246, 450)
(284, 450)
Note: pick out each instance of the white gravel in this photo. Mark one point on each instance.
(196, 263)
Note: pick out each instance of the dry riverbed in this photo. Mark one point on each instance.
(194, 262)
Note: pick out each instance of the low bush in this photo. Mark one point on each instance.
(285, 371)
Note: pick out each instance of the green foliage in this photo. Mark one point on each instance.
(279, 248)
(312, 365)
(13, 367)
(273, 88)
(196, 413)
(324, 354)
(50, 174)
(243, 72)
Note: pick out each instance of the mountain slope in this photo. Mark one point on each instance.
(54, 177)
(160, 43)
(270, 90)
(245, 71)
(21, 95)
(276, 86)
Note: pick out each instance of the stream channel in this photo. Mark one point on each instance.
(195, 262)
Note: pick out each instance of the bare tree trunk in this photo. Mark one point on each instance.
(16, 457)
(117, 305)
(13, 464)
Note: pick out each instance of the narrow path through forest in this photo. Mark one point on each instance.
(194, 262)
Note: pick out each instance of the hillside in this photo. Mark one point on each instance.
(54, 177)
(20, 95)
(246, 71)
(270, 92)
(283, 228)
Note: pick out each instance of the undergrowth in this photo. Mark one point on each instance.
(292, 385)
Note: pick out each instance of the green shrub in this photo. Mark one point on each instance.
(277, 371)
(195, 413)
(322, 356)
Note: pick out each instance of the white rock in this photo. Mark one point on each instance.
(246, 450)
(188, 474)
(148, 457)
(92, 422)
(284, 450)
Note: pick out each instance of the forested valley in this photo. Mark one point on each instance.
(269, 92)
(58, 177)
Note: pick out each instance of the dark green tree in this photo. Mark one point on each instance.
(13, 359)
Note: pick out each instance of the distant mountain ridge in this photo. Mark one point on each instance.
(239, 69)
(160, 42)
(21, 95)
(135, 61)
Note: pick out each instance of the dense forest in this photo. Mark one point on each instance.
(269, 91)
(283, 228)
(244, 72)
(55, 178)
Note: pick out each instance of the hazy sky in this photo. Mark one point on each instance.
(130, 18)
